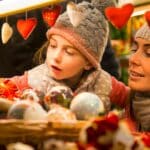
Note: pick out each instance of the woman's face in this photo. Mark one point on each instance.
(63, 60)
(139, 65)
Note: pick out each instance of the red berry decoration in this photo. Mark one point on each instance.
(50, 15)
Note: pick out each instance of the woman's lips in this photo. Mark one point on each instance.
(135, 75)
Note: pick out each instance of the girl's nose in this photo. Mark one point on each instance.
(58, 55)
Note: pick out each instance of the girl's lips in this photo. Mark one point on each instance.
(56, 68)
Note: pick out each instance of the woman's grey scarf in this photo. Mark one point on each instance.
(141, 110)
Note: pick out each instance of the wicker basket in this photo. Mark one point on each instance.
(36, 131)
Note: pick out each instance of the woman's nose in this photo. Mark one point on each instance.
(135, 58)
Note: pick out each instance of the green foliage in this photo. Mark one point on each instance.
(118, 34)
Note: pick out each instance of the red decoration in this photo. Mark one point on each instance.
(147, 17)
(25, 27)
(146, 139)
(119, 16)
(131, 125)
(51, 14)
(8, 89)
(99, 128)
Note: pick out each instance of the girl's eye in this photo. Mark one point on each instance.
(70, 51)
(52, 45)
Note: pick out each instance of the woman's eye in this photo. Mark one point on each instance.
(147, 52)
(133, 49)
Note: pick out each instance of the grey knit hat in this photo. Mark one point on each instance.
(90, 34)
(143, 32)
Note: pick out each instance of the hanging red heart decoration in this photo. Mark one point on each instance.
(119, 16)
(147, 17)
(25, 27)
(51, 14)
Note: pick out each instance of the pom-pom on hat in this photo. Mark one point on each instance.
(143, 32)
(85, 27)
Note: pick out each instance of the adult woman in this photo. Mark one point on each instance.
(139, 78)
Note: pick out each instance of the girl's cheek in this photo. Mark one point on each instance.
(48, 55)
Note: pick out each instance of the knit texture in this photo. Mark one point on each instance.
(101, 85)
(141, 103)
(90, 35)
(143, 32)
(102, 4)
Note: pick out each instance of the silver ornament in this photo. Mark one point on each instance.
(86, 105)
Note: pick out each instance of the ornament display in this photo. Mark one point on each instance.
(119, 16)
(6, 32)
(33, 95)
(50, 15)
(35, 112)
(61, 95)
(5, 104)
(51, 144)
(26, 27)
(17, 110)
(86, 105)
(59, 113)
(19, 146)
(76, 14)
(106, 133)
(27, 110)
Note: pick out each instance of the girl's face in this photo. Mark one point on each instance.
(139, 65)
(63, 60)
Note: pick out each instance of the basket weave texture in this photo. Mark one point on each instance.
(37, 131)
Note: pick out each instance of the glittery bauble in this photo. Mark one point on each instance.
(33, 95)
(27, 110)
(61, 95)
(86, 105)
(18, 109)
(59, 113)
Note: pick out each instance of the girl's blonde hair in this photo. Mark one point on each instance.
(40, 55)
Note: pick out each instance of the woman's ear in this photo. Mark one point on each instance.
(88, 66)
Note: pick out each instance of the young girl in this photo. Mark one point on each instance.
(75, 49)
(139, 78)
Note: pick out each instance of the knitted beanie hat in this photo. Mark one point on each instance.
(143, 32)
(87, 28)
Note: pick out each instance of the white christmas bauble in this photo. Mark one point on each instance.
(35, 112)
(27, 110)
(86, 105)
(17, 110)
(59, 113)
